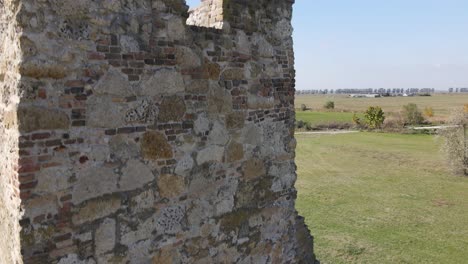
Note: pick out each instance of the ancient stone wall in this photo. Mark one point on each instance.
(9, 98)
(208, 14)
(144, 140)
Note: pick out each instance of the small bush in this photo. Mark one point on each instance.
(412, 115)
(429, 112)
(329, 105)
(375, 117)
(303, 107)
(465, 108)
(299, 124)
(394, 124)
(356, 120)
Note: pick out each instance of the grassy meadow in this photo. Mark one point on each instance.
(381, 198)
(316, 118)
(441, 103)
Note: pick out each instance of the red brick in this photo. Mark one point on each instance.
(28, 185)
(42, 93)
(30, 167)
(96, 56)
(39, 136)
(24, 178)
(24, 195)
(51, 164)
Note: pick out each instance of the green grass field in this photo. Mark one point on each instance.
(441, 103)
(381, 198)
(315, 118)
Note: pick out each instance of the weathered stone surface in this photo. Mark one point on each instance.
(171, 186)
(167, 255)
(219, 101)
(114, 82)
(96, 209)
(198, 86)
(52, 180)
(135, 175)
(42, 205)
(124, 147)
(234, 152)
(105, 236)
(74, 259)
(187, 58)
(212, 153)
(254, 168)
(33, 118)
(213, 70)
(162, 82)
(169, 220)
(172, 109)
(142, 139)
(154, 146)
(184, 165)
(94, 182)
(104, 112)
(40, 69)
(235, 120)
(232, 74)
(218, 134)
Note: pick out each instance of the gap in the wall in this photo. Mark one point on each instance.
(193, 3)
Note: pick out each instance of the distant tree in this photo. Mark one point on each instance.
(375, 117)
(329, 105)
(303, 107)
(429, 112)
(412, 115)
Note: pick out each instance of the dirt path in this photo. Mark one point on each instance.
(433, 127)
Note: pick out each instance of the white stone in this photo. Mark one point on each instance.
(218, 134)
(202, 124)
(211, 153)
(184, 165)
(74, 259)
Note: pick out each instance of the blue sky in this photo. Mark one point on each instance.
(380, 43)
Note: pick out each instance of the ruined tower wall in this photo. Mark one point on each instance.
(144, 140)
(9, 186)
(208, 14)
